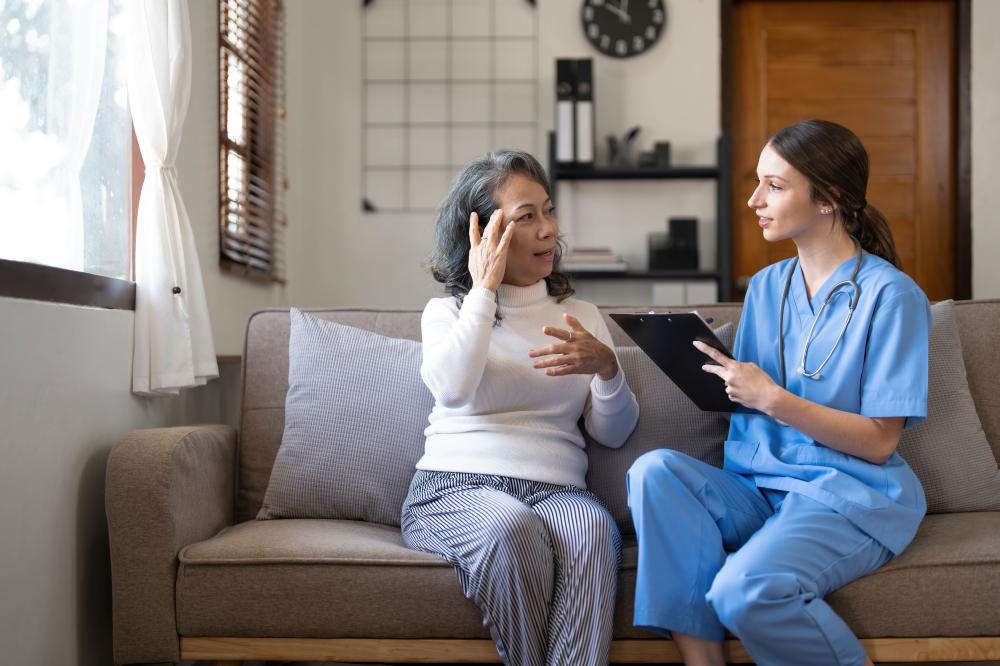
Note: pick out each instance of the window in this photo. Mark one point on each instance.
(251, 141)
(65, 136)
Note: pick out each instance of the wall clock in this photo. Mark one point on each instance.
(623, 28)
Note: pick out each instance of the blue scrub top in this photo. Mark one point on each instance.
(879, 369)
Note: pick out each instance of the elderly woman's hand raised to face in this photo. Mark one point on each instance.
(488, 252)
(579, 353)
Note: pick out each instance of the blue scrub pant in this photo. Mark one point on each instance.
(785, 551)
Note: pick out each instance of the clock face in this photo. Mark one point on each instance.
(623, 28)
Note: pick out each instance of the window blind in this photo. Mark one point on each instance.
(251, 138)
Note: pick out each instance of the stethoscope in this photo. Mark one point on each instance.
(856, 295)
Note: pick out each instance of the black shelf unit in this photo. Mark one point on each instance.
(646, 275)
(585, 172)
(720, 173)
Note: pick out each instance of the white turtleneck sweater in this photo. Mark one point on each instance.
(496, 414)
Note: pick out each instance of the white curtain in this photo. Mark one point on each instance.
(78, 32)
(173, 335)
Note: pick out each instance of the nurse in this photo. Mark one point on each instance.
(831, 365)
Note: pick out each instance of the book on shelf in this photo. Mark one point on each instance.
(574, 125)
(593, 259)
(565, 110)
(583, 119)
(579, 267)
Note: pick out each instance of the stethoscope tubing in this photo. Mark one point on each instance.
(855, 297)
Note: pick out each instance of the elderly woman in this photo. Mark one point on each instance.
(500, 491)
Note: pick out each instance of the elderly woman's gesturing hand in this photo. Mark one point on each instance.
(488, 252)
(580, 353)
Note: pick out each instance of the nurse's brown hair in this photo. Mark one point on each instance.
(834, 160)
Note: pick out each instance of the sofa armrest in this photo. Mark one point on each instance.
(166, 488)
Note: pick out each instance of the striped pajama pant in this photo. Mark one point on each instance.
(540, 560)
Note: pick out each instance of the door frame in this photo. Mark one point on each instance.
(963, 133)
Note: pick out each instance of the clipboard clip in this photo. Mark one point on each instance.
(707, 320)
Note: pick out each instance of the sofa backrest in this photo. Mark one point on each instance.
(265, 374)
(979, 329)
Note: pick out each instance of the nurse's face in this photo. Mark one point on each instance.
(782, 202)
(533, 244)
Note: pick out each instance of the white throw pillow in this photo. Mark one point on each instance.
(355, 415)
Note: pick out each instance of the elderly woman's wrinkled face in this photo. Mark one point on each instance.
(533, 245)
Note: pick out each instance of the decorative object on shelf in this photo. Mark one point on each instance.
(720, 277)
(622, 29)
(661, 149)
(676, 249)
(574, 111)
(593, 259)
(620, 150)
(443, 82)
(657, 158)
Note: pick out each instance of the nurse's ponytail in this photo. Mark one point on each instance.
(870, 227)
(834, 160)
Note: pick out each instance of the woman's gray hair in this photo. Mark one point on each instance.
(475, 189)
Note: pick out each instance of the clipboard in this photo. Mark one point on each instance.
(666, 339)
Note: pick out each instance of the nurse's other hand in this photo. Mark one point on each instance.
(746, 383)
(579, 353)
(488, 251)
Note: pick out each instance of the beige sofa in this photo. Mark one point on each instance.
(195, 577)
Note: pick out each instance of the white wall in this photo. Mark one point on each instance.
(985, 149)
(64, 402)
(375, 260)
(672, 92)
(352, 259)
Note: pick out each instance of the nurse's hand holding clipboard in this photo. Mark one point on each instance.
(872, 439)
(746, 383)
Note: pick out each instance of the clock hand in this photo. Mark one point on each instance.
(617, 11)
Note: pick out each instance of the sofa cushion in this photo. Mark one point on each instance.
(345, 579)
(949, 451)
(265, 386)
(946, 583)
(667, 419)
(354, 419)
(319, 579)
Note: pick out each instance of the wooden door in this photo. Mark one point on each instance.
(886, 70)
